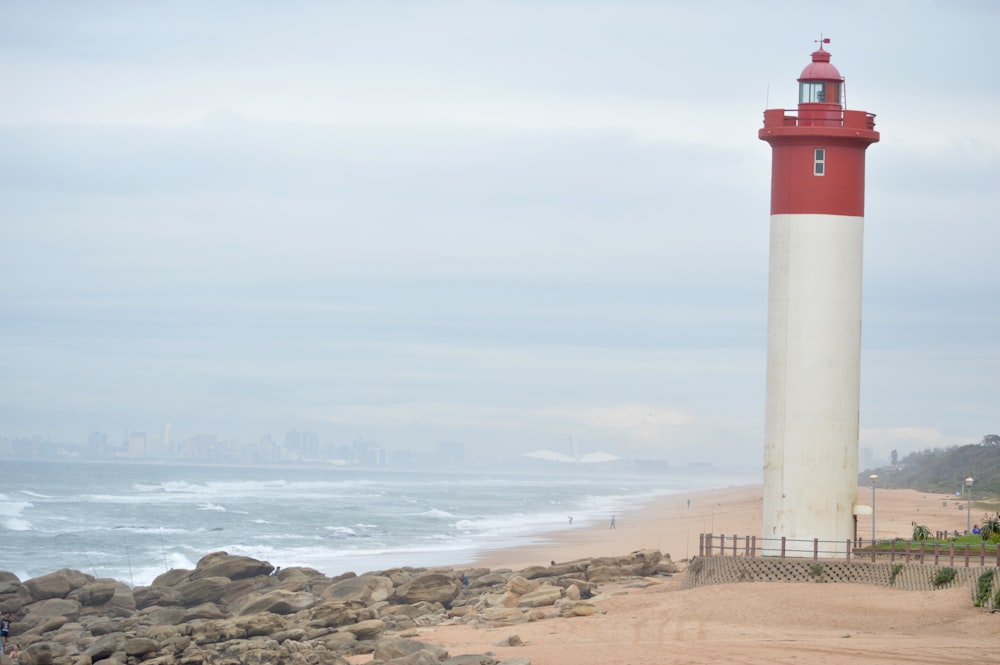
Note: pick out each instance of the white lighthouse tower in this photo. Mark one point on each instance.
(814, 312)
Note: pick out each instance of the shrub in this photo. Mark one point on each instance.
(896, 570)
(944, 576)
(921, 532)
(816, 571)
(983, 587)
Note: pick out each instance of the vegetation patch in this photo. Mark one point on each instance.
(983, 586)
(945, 576)
(896, 570)
(816, 571)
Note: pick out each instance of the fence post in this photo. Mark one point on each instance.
(722, 544)
(937, 552)
(908, 551)
(848, 541)
(815, 549)
(753, 546)
(982, 554)
(782, 547)
(873, 550)
(736, 543)
(746, 546)
(967, 555)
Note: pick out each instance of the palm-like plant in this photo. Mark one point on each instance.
(990, 528)
(921, 532)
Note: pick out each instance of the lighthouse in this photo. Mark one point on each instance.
(814, 313)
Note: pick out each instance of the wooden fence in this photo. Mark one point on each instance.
(888, 550)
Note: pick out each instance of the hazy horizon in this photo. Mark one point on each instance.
(505, 224)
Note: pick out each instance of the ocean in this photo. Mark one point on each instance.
(132, 522)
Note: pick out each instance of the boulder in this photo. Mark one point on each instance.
(54, 607)
(365, 589)
(280, 601)
(42, 653)
(365, 630)
(580, 609)
(543, 595)
(57, 584)
(162, 596)
(422, 657)
(172, 577)
(389, 648)
(140, 646)
(520, 585)
(203, 590)
(96, 593)
(336, 614)
(105, 646)
(222, 564)
(431, 587)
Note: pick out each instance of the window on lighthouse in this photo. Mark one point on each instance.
(819, 161)
(812, 92)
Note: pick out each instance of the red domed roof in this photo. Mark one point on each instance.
(820, 68)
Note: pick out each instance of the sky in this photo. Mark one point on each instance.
(508, 224)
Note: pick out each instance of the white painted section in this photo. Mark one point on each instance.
(813, 380)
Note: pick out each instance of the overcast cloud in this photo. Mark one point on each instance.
(501, 223)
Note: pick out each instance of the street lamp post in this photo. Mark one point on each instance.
(968, 506)
(874, 479)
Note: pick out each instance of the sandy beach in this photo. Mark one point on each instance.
(748, 622)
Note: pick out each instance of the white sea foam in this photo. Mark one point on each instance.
(17, 524)
(135, 522)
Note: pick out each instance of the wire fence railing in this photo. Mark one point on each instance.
(906, 551)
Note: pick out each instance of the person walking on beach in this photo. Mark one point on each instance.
(613, 522)
(4, 631)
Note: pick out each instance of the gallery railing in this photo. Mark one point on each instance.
(883, 550)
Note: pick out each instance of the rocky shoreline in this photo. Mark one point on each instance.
(233, 610)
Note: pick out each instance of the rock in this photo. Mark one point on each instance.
(203, 590)
(472, 659)
(510, 641)
(96, 593)
(534, 572)
(140, 646)
(389, 648)
(222, 564)
(57, 584)
(172, 577)
(430, 587)
(366, 588)
(573, 592)
(543, 595)
(580, 609)
(54, 607)
(105, 646)
(521, 585)
(422, 657)
(157, 595)
(41, 653)
(280, 601)
(336, 614)
(365, 630)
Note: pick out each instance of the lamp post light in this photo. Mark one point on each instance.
(874, 479)
(968, 506)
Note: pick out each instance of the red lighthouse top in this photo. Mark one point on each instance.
(818, 150)
(820, 67)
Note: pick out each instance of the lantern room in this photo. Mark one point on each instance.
(820, 82)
